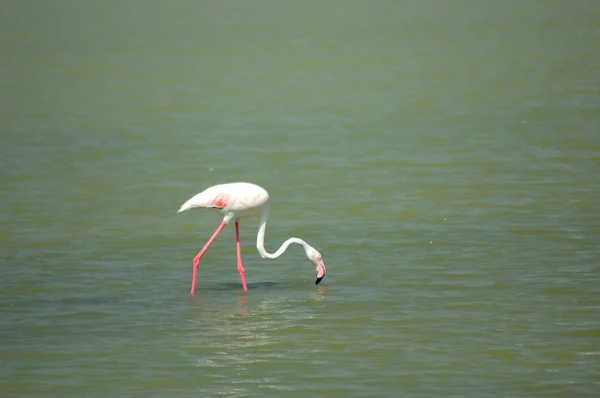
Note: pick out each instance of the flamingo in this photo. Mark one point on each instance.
(238, 200)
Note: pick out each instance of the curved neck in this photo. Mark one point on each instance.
(260, 239)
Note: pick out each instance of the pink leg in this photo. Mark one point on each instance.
(204, 249)
(241, 269)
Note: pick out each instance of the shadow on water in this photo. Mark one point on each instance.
(260, 286)
(234, 290)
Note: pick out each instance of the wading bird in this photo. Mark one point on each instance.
(238, 200)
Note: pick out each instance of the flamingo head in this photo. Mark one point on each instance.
(315, 257)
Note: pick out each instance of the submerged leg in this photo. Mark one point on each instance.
(204, 249)
(241, 269)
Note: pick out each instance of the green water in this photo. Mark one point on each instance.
(443, 156)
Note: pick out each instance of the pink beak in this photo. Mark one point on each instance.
(321, 271)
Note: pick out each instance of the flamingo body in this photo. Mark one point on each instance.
(238, 200)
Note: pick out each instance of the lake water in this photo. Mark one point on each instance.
(443, 156)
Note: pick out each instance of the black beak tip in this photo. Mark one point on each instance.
(318, 280)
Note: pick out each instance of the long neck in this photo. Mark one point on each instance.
(260, 239)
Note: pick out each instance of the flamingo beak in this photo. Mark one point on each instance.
(321, 270)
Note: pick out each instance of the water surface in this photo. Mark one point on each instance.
(444, 158)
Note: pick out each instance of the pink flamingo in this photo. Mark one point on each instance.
(237, 200)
